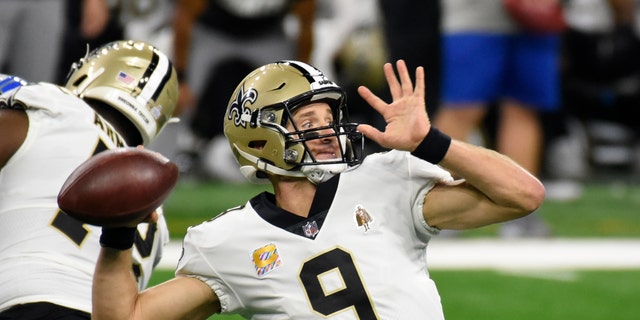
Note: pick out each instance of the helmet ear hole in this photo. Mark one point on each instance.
(79, 81)
(257, 144)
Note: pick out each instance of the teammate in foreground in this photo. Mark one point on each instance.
(339, 238)
(121, 94)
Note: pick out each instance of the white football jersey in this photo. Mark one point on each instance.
(360, 255)
(47, 255)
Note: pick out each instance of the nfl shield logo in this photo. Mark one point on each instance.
(310, 229)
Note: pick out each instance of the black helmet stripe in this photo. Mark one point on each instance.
(307, 71)
(157, 76)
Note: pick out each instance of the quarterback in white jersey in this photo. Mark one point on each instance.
(339, 237)
(359, 255)
(47, 256)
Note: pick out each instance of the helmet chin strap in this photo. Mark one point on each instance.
(319, 173)
(250, 172)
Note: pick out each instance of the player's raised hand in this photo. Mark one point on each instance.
(406, 117)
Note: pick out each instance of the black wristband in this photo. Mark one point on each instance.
(121, 238)
(434, 146)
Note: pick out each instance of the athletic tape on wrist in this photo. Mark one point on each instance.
(121, 238)
(434, 146)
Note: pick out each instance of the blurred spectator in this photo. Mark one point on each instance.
(216, 43)
(601, 86)
(89, 24)
(349, 46)
(489, 59)
(149, 21)
(31, 34)
(412, 33)
(353, 39)
(337, 25)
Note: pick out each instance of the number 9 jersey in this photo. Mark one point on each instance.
(360, 254)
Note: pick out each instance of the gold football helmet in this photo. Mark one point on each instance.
(133, 77)
(262, 105)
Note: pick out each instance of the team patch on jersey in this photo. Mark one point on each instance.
(266, 259)
(362, 218)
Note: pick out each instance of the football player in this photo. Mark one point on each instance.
(340, 237)
(120, 94)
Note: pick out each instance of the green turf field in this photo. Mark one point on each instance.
(606, 210)
(550, 295)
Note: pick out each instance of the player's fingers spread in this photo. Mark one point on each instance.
(370, 132)
(373, 100)
(420, 87)
(392, 81)
(405, 79)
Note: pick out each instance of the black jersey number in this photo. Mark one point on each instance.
(77, 232)
(352, 293)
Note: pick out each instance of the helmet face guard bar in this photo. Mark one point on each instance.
(346, 133)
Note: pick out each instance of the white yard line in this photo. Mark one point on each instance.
(516, 254)
(523, 254)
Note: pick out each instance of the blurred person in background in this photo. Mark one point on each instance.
(489, 58)
(31, 37)
(48, 258)
(216, 42)
(93, 23)
(150, 21)
(412, 33)
(349, 46)
(353, 38)
(88, 24)
(601, 90)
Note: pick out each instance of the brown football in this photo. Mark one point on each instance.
(118, 187)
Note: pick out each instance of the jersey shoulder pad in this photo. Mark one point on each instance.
(8, 101)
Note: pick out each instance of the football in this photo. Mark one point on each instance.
(118, 187)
